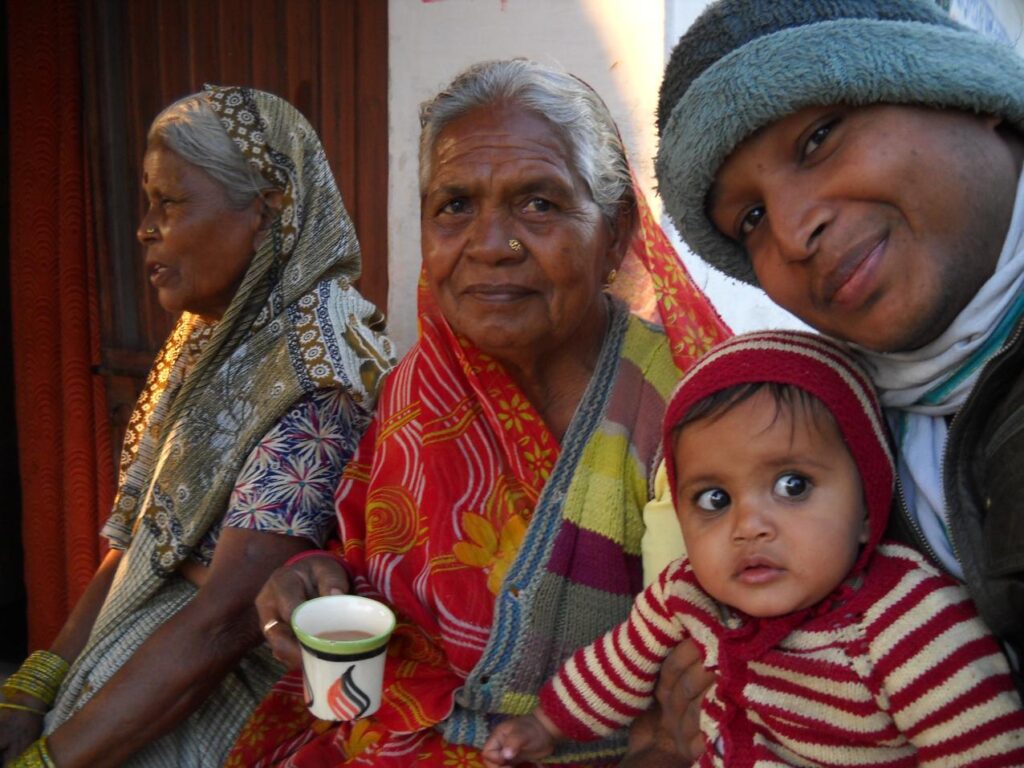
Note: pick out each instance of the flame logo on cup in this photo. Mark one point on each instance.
(346, 699)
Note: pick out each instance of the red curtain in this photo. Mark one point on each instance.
(63, 441)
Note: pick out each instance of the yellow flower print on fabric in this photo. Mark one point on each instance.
(513, 412)
(540, 459)
(362, 736)
(665, 291)
(462, 757)
(489, 550)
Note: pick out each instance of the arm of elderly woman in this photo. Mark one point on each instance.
(318, 574)
(19, 728)
(668, 734)
(183, 661)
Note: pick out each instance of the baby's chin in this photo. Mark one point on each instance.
(770, 609)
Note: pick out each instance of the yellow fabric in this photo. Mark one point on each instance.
(662, 541)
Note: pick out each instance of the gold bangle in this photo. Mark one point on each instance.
(37, 755)
(22, 707)
(40, 675)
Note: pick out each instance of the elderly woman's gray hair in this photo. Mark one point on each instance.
(565, 101)
(192, 130)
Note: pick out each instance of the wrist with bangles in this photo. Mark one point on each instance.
(39, 676)
(36, 756)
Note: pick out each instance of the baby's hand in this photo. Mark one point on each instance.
(516, 740)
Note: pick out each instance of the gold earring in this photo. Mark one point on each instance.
(515, 245)
(611, 277)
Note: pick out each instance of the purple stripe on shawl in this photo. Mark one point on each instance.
(592, 560)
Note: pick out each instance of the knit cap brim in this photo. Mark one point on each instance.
(858, 62)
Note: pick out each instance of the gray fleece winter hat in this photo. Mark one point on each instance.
(746, 63)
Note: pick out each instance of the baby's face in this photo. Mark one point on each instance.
(770, 505)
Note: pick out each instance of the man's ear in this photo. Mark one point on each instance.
(270, 202)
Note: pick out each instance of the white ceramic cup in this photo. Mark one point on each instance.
(344, 639)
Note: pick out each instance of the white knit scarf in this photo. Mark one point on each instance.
(920, 388)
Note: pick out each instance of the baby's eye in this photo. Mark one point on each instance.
(713, 499)
(792, 486)
(750, 221)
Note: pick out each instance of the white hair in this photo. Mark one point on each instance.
(569, 104)
(191, 129)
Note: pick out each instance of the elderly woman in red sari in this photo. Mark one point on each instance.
(256, 401)
(496, 500)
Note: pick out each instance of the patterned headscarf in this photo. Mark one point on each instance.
(296, 324)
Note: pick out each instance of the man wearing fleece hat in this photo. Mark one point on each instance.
(860, 160)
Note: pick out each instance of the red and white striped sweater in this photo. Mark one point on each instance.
(904, 673)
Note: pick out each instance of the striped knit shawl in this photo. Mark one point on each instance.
(497, 576)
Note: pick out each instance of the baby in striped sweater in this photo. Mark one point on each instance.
(831, 647)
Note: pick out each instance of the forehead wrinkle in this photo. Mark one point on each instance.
(454, 146)
(750, 141)
(520, 174)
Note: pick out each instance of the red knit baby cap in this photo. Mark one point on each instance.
(818, 365)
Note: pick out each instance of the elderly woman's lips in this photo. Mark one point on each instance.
(497, 293)
(159, 274)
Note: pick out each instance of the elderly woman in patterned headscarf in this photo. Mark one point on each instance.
(496, 501)
(253, 406)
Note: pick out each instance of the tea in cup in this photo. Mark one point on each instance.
(344, 640)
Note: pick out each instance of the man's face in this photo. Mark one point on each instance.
(873, 224)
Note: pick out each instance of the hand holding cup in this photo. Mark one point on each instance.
(286, 588)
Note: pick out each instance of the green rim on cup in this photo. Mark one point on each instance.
(346, 646)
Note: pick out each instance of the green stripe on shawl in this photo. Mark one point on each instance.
(643, 348)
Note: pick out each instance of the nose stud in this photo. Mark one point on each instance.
(515, 245)
(150, 230)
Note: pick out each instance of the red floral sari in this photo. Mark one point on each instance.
(433, 510)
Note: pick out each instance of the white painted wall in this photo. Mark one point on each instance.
(619, 47)
(742, 306)
(1002, 20)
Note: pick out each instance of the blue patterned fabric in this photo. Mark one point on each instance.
(287, 483)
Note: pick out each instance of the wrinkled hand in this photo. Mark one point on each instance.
(517, 740)
(669, 733)
(18, 729)
(285, 589)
